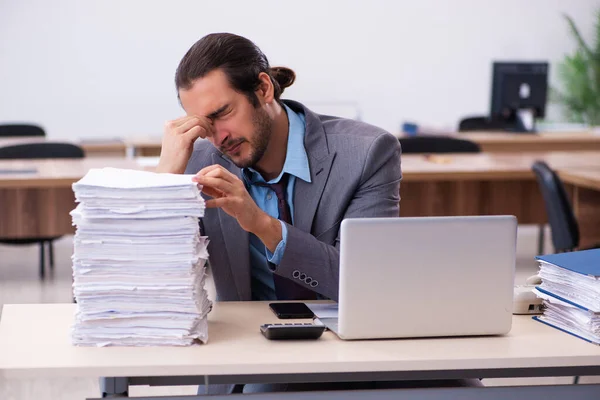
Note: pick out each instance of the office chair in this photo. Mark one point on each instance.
(21, 130)
(40, 150)
(563, 224)
(437, 144)
(483, 123)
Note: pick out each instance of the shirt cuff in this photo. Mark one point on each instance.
(275, 258)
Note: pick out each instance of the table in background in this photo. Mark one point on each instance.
(36, 195)
(503, 142)
(238, 353)
(491, 142)
(488, 184)
(38, 203)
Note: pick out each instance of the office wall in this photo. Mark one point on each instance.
(104, 68)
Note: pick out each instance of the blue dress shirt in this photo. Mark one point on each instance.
(296, 166)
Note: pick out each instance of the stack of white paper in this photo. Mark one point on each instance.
(139, 260)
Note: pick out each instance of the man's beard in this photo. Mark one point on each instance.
(258, 143)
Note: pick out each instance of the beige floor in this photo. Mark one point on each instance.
(19, 283)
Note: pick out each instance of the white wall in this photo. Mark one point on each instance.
(104, 68)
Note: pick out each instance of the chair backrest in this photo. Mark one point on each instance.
(437, 144)
(21, 130)
(41, 150)
(483, 123)
(563, 224)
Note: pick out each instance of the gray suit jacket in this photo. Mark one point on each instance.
(355, 172)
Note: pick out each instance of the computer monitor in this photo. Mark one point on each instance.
(519, 94)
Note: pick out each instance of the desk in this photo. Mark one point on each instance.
(469, 184)
(37, 203)
(238, 353)
(502, 142)
(489, 184)
(491, 142)
(584, 185)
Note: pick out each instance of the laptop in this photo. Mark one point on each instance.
(425, 277)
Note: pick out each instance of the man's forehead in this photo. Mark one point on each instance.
(206, 97)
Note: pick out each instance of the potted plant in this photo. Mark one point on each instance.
(579, 74)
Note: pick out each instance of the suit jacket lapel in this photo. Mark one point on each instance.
(308, 195)
(236, 240)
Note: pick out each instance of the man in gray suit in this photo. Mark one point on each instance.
(279, 178)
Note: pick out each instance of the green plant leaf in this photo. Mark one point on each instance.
(580, 42)
(579, 74)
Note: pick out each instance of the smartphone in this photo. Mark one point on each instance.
(291, 310)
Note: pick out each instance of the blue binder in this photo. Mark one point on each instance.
(585, 262)
(563, 328)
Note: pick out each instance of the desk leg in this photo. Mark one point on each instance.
(114, 387)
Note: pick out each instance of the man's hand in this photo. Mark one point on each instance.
(178, 142)
(229, 193)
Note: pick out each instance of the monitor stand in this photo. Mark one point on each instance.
(526, 121)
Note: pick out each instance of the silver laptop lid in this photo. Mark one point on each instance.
(431, 276)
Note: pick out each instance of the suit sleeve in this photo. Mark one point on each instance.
(378, 195)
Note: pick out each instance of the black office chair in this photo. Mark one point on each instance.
(484, 123)
(32, 151)
(437, 144)
(21, 130)
(563, 224)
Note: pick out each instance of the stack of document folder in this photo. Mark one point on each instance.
(139, 260)
(571, 292)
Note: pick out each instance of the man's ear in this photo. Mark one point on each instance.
(265, 91)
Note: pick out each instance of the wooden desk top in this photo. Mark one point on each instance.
(35, 341)
(494, 142)
(542, 137)
(488, 166)
(588, 177)
(415, 168)
(54, 172)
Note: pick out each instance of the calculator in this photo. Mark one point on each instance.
(292, 331)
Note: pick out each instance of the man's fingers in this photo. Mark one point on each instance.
(222, 173)
(194, 133)
(187, 125)
(204, 170)
(198, 131)
(214, 183)
(179, 121)
(217, 171)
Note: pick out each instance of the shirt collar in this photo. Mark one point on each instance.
(296, 159)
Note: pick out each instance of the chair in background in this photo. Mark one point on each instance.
(21, 130)
(437, 144)
(483, 123)
(563, 224)
(33, 151)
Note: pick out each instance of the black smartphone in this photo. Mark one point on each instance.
(291, 310)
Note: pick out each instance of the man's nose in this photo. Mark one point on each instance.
(220, 137)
